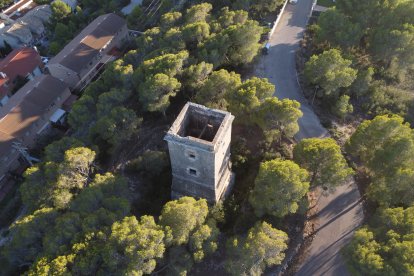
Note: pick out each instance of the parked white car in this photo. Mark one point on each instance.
(293, 2)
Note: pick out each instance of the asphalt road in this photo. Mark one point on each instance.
(279, 65)
(339, 213)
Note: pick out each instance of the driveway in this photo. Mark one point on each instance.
(338, 213)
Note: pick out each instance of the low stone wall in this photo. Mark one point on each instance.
(311, 11)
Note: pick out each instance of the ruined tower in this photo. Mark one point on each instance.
(199, 146)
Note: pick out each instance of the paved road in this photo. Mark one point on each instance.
(279, 65)
(340, 212)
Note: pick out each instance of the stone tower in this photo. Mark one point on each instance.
(199, 146)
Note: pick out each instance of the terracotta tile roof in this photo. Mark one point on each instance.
(19, 119)
(29, 103)
(19, 62)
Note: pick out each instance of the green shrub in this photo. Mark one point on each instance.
(151, 162)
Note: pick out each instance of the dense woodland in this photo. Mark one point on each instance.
(363, 61)
(384, 150)
(86, 216)
(82, 219)
(365, 58)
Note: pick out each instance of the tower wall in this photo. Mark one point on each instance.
(199, 147)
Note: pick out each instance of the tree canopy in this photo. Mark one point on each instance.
(378, 36)
(385, 146)
(189, 232)
(214, 90)
(83, 221)
(323, 160)
(60, 10)
(134, 246)
(54, 184)
(262, 247)
(330, 71)
(279, 186)
(384, 248)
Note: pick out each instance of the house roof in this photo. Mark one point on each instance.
(29, 104)
(79, 57)
(4, 91)
(6, 142)
(19, 119)
(84, 47)
(20, 31)
(42, 12)
(19, 62)
(34, 24)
